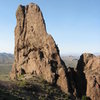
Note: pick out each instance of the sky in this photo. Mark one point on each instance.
(74, 24)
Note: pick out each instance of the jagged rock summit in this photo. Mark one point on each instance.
(36, 52)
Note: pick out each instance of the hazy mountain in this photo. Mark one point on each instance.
(97, 53)
(70, 61)
(6, 58)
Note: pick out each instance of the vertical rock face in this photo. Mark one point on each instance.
(35, 50)
(88, 70)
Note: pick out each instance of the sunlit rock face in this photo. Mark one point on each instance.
(36, 52)
(88, 70)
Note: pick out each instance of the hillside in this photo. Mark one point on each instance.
(6, 61)
(34, 87)
(6, 58)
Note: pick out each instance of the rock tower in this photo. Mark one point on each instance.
(35, 50)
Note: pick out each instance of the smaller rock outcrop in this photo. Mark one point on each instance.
(88, 73)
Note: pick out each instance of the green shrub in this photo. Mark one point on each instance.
(84, 97)
(22, 83)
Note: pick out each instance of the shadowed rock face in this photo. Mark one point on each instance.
(35, 51)
(85, 79)
(88, 70)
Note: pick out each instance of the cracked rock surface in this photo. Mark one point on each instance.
(89, 64)
(36, 52)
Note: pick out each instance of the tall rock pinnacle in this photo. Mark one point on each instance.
(35, 50)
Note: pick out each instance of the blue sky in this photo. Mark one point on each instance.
(74, 24)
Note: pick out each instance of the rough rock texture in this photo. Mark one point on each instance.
(35, 51)
(88, 70)
(85, 79)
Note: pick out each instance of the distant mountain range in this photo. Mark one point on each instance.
(97, 54)
(6, 58)
(70, 61)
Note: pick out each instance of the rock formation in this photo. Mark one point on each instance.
(85, 79)
(88, 70)
(36, 52)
